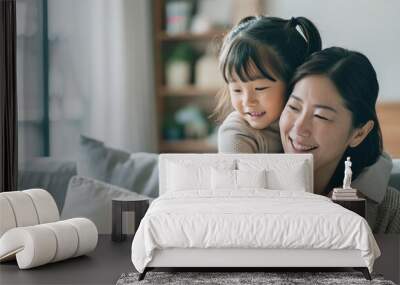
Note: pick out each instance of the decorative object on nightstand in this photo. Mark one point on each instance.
(345, 193)
(120, 205)
(347, 196)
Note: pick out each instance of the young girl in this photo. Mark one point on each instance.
(257, 60)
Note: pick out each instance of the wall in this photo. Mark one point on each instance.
(371, 27)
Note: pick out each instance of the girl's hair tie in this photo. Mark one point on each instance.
(293, 22)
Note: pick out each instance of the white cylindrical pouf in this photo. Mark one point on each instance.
(33, 246)
(23, 208)
(7, 218)
(46, 207)
(87, 233)
(67, 239)
(40, 244)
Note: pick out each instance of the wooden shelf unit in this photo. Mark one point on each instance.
(190, 94)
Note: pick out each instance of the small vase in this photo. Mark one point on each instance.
(178, 74)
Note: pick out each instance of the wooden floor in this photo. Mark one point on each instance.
(110, 260)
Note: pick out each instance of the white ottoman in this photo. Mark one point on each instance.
(31, 232)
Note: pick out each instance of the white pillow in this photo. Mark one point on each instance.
(291, 175)
(187, 175)
(237, 179)
(293, 180)
(223, 179)
(251, 178)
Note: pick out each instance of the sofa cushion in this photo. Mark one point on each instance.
(47, 173)
(136, 172)
(89, 198)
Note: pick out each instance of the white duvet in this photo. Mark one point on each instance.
(251, 218)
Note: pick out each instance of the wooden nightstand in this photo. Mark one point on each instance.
(356, 205)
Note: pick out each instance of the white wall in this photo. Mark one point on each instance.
(369, 26)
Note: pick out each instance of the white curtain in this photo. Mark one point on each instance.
(29, 51)
(101, 76)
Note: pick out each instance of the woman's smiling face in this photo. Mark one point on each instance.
(315, 120)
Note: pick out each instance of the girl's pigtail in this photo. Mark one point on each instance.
(311, 34)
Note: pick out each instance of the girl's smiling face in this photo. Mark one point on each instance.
(315, 120)
(259, 101)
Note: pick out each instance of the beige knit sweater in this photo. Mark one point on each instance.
(235, 135)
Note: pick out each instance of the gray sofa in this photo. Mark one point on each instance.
(136, 172)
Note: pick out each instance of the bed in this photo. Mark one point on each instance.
(247, 210)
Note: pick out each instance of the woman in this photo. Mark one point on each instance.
(331, 114)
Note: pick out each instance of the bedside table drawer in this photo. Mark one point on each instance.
(357, 206)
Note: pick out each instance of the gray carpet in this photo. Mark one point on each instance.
(228, 278)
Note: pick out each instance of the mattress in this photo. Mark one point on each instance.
(250, 219)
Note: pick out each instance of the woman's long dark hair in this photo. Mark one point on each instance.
(355, 79)
(274, 46)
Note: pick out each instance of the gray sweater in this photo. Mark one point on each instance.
(235, 135)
